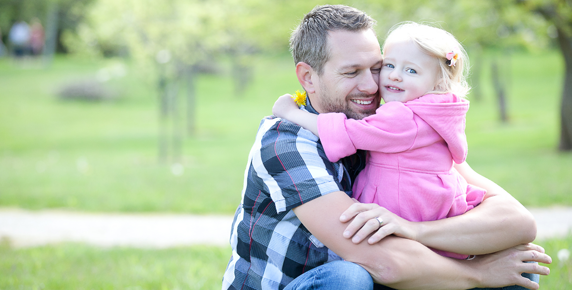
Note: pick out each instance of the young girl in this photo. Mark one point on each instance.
(414, 138)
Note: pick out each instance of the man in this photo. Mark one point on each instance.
(287, 232)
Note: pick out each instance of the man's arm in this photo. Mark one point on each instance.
(498, 223)
(407, 264)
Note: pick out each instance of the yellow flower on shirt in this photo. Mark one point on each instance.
(299, 98)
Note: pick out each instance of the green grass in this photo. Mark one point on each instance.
(75, 266)
(42, 140)
(103, 156)
(560, 271)
(521, 155)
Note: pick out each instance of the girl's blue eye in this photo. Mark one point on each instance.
(411, 71)
(389, 65)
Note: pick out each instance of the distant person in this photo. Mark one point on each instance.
(19, 38)
(414, 138)
(37, 37)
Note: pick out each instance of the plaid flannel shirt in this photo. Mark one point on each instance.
(286, 168)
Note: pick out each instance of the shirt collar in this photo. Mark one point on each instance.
(308, 107)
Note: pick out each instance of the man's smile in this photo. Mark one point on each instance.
(362, 102)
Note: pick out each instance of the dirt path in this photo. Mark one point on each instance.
(31, 228)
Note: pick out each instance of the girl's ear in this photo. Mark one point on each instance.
(440, 85)
(304, 72)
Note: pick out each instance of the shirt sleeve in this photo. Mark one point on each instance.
(391, 129)
(293, 165)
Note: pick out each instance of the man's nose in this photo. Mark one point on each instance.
(369, 84)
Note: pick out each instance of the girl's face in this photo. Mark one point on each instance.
(407, 72)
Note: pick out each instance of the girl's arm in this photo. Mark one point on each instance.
(286, 108)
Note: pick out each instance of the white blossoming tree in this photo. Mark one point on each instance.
(169, 41)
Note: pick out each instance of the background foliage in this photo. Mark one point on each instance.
(104, 156)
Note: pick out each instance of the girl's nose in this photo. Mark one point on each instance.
(395, 76)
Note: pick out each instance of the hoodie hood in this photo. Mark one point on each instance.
(445, 113)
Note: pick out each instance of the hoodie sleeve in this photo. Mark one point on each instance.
(392, 129)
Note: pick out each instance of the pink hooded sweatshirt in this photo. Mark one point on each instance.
(412, 147)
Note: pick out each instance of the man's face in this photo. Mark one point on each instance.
(349, 83)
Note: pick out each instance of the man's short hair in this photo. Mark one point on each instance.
(308, 42)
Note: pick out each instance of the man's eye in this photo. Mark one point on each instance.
(411, 71)
(351, 73)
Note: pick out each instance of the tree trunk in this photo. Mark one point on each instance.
(176, 125)
(51, 33)
(477, 68)
(566, 103)
(162, 118)
(190, 79)
(500, 89)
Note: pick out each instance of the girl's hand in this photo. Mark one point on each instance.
(364, 223)
(284, 106)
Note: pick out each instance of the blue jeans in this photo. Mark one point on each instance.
(342, 275)
(338, 275)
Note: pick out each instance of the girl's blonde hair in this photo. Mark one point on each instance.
(437, 43)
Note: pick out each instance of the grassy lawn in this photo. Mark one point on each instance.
(560, 270)
(103, 156)
(521, 155)
(76, 266)
(73, 266)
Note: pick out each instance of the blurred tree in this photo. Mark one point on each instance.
(195, 33)
(558, 13)
(479, 25)
(172, 41)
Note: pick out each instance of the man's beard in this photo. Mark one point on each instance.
(343, 106)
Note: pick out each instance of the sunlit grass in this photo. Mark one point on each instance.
(561, 269)
(104, 156)
(521, 155)
(76, 266)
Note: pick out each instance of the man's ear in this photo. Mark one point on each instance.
(304, 72)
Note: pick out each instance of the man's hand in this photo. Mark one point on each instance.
(284, 106)
(505, 267)
(366, 223)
